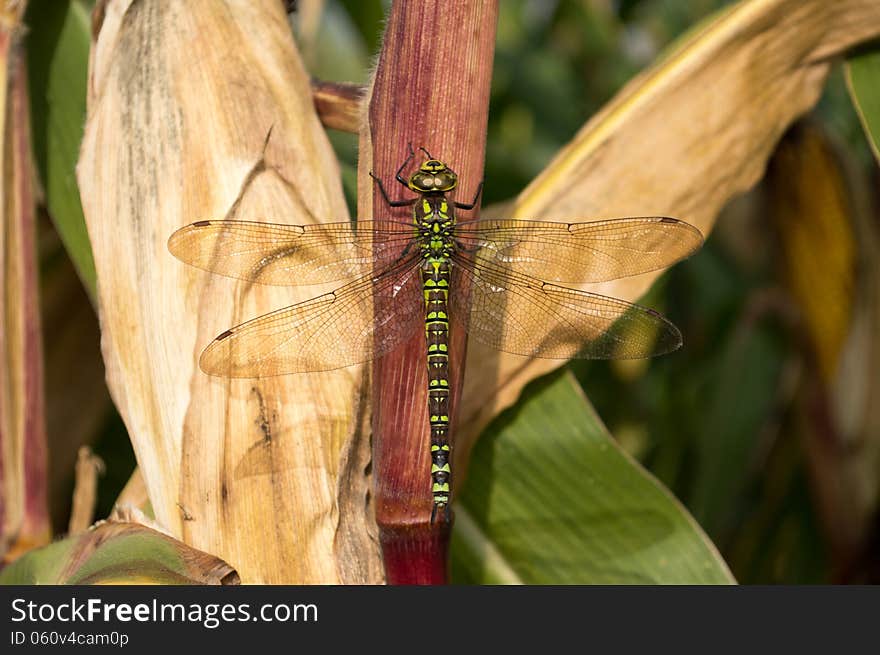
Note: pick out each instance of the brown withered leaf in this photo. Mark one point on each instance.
(203, 110)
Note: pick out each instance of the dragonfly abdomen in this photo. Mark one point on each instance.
(435, 282)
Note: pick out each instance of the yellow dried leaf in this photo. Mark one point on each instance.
(811, 208)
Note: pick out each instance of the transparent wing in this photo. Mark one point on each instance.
(291, 254)
(525, 316)
(356, 323)
(580, 252)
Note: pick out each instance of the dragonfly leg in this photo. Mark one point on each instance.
(472, 204)
(405, 163)
(392, 203)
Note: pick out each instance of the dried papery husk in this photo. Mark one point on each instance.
(24, 517)
(202, 110)
(681, 140)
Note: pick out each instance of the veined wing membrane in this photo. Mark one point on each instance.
(331, 331)
(525, 316)
(580, 252)
(268, 253)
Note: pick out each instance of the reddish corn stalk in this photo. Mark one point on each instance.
(24, 513)
(432, 90)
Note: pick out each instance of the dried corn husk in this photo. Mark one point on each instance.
(202, 110)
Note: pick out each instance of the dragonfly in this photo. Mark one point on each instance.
(502, 280)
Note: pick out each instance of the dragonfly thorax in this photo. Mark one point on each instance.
(434, 222)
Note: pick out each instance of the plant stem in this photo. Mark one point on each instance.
(431, 89)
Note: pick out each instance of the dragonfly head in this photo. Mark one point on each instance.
(433, 175)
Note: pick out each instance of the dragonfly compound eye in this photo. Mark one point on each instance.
(445, 181)
(421, 182)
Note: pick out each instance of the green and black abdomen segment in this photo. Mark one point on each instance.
(435, 280)
(435, 221)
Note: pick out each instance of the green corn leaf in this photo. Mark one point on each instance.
(118, 553)
(551, 499)
(58, 56)
(863, 80)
